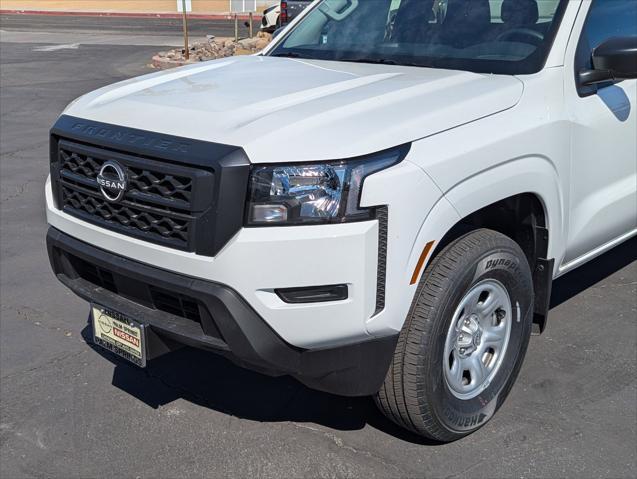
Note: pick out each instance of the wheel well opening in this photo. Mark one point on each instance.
(518, 217)
(523, 219)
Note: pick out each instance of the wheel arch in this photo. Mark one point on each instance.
(521, 199)
(520, 217)
(529, 177)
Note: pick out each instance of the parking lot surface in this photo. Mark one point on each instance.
(69, 410)
(131, 27)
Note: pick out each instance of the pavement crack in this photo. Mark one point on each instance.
(51, 361)
(36, 317)
(467, 469)
(20, 190)
(341, 445)
(33, 146)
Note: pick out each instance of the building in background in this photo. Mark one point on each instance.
(122, 6)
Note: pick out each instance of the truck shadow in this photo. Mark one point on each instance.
(573, 283)
(216, 383)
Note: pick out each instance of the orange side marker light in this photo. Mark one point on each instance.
(421, 261)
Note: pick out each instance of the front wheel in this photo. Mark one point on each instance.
(464, 340)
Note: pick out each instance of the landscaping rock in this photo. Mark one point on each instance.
(212, 49)
(248, 43)
(261, 43)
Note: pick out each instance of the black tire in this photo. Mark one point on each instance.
(415, 394)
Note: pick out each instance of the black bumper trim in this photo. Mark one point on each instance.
(351, 370)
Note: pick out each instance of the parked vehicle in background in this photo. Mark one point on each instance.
(281, 14)
(290, 9)
(384, 215)
(270, 19)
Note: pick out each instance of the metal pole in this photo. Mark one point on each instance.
(185, 17)
(250, 20)
(236, 28)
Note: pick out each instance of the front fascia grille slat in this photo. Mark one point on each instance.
(126, 219)
(137, 196)
(178, 188)
(149, 208)
(175, 304)
(94, 274)
(80, 165)
(72, 177)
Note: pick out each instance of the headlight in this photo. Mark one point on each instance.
(314, 192)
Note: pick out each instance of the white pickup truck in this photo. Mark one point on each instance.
(376, 205)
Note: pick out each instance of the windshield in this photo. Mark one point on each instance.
(487, 36)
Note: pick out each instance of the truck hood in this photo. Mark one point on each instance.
(283, 109)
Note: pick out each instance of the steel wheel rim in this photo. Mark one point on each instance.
(477, 339)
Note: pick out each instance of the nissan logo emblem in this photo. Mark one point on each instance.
(112, 181)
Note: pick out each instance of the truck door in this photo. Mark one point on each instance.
(603, 197)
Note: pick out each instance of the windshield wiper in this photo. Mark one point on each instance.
(379, 61)
(286, 55)
(375, 61)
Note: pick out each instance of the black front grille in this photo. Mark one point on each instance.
(162, 204)
(183, 193)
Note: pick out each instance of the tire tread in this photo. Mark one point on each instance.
(402, 397)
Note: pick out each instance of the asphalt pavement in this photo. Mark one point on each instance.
(69, 410)
(66, 32)
(132, 27)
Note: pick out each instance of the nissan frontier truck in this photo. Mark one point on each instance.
(376, 204)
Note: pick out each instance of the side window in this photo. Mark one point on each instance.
(606, 19)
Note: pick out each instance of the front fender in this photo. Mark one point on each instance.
(531, 174)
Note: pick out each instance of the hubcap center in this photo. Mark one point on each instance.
(469, 335)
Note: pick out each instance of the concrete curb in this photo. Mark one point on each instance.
(202, 16)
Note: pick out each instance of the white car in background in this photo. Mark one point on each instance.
(282, 14)
(270, 19)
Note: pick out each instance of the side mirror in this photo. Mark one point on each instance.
(277, 32)
(615, 59)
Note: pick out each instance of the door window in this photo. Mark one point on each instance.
(606, 19)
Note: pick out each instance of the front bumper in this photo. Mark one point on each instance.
(256, 261)
(224, 322)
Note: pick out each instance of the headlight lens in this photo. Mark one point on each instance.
(314, 192)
